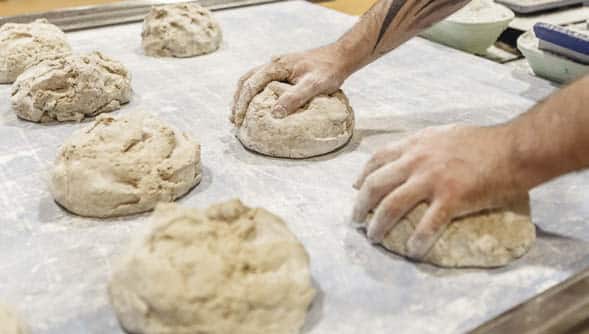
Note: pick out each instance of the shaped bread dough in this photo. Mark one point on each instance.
(226, 269)
(71, 88)
(180, 30)
(124, 165)
(10, 322)
(22, 45)
(325, 124)
(491, 238)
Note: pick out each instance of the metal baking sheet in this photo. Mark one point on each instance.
(533, 6)
(561, 309)
(77, 18)
(54, 266)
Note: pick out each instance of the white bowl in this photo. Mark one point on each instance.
(549, 65)
(467, 32)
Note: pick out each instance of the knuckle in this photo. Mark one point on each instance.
(379, 156)
(449, 189)
(416, 159)
(371, 185)
(289, 100)
(392, 208)
(316, 85)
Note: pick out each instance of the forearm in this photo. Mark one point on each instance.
(553, 137)
(387, 25)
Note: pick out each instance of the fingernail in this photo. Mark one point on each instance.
(357, 215)
(374, 236)
(279, 111)
(417, 247)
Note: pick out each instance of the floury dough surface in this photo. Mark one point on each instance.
(488, 239)
(10, 322)
(71, 88)
(180, 30)
(124, 165)
(325, 124)
(22, 45)
(226, 269)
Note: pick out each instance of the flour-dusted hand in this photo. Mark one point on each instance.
(314, 72)
(388, 24)
(456, 169)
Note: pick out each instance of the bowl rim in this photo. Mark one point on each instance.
(510, 15)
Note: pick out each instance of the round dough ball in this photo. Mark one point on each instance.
(325, 124)
(10, 322)
(491, 238)
(22, 45)
(180, 30)
(71, 88)
(124, 165)
(226, 269)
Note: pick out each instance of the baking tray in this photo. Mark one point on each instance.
(76, 18)
(561, 309)
(54, 266)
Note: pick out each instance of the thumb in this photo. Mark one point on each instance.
(295, 98)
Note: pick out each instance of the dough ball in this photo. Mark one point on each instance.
(226, 269)
(180, 30)
(10, 322)
(325, 124)
(124, 165)
(71, 88)
(487, 239)
(22, 45)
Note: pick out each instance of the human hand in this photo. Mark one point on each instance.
(313, 72)
(457, 169)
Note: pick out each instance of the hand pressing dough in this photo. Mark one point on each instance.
(71, 88)
(226, 269)
(180, 30)
(22, 45)
(124, 165)
(487, 239)
(10, 322)
(325, 124)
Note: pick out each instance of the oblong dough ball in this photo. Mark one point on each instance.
(22, 45)
(180, 30)
(491, 238)
(325, 124)
(71, 88)
(10, 322)
(124, 165)
(226, 269)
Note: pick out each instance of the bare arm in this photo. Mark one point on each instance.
(464, 169)
(553, 137)
(388, 24)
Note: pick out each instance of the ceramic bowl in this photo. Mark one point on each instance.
(549, 65)
(471, 35)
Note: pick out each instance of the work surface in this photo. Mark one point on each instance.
(54, 266)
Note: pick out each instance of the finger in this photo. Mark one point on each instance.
(255, 84)
(427, 232)
(377, 185)
(239, 88)
(393, 207)
(296, 97)
(279, 88)
(379, 159)
(242, 80)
